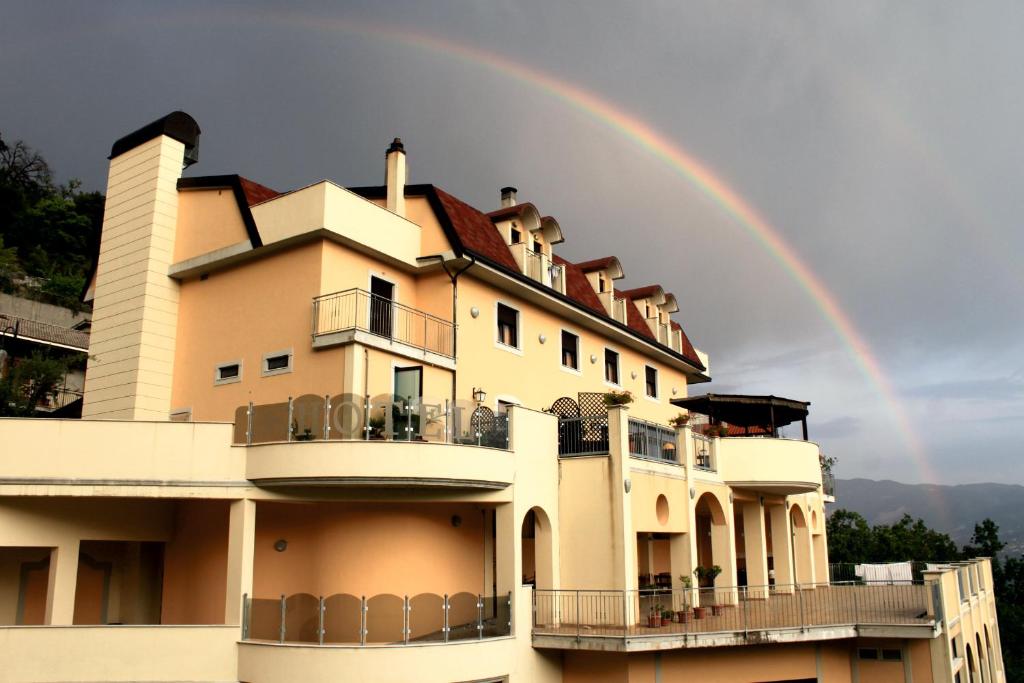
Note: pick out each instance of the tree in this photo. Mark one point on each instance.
(10, 267)
(849, 537)
(28, 383)
(985, 540)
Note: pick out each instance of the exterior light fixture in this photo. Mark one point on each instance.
(693, 493)
(479, 395)
(633, 374)
(674, 391)
(475, 312)
(628, 485)
(280, 545)
(542, 338)
(593, 358)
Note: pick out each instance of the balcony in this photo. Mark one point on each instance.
(356, 315)
(539, 267)
(349, 440)
(742, 439)
(652, 441)
(619, 620)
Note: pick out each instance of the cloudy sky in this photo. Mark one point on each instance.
(880, 141)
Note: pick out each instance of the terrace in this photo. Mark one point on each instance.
(665, 618)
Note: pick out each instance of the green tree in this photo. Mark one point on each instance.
(849, 537)
(28, 383)
(910, 539)
(10, 267)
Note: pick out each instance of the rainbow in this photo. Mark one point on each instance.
(673, 155)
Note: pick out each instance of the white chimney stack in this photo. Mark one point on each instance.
(394, 177)
(508, 197)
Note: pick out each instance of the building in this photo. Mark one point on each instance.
(363, 434)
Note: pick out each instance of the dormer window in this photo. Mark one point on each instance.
(536, 247)
(514, 235)
(647, 309)
(601, 283)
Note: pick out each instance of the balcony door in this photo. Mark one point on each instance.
(382, 294)
(408, 395)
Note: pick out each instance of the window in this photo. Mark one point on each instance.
(601, 283)
(536, 247)
(514, 235)
(508, 326)
(651, 380)
(276, 363)
(891, 655)
(867, 653)
(228, 373)
(570, 350)
(611, 366)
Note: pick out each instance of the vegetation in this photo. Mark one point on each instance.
(851, 539)
(28, 382)
(48, 232)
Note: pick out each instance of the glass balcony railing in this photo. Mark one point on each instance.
(385, 619)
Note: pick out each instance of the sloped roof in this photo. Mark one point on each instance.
(508, 212)
(597, 264)
(256, 193)
(634, 320)
(44, 333)
(475, 230)
(640, 292)
(578, 287)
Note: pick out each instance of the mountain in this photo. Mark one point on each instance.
(950, 509)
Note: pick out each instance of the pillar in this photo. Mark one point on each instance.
(782, 548)
(241, 553)
(623, 535)
(60, 591)
(755, 545)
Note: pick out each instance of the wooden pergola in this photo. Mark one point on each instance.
(765, 414)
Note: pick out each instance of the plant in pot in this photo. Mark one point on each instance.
(683, 615)
(376, 425)
(667, 616)
(723, 430)
(305, 435)
(680, 420)
(710, 574)
(654, 618)
(617, 398)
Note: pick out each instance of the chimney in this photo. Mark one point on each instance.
(508, 197)
(394, 177)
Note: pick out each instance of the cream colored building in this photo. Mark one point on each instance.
(361, 434)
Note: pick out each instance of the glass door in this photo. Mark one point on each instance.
(382, 295)
(408, 395)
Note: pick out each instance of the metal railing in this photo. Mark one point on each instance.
(652, 441)
(533, 265)
(59, 398)
(586, 435)
(357, 309)
(558, 277)
(849, 572)
(351, 417)
(703, 452)
(735, 610)
(385, 619)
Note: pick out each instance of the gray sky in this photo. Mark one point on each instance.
(880, 140)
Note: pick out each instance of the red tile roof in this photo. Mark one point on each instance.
(597, 264)
(476, 231)
(578, 287)
(687, 346)
(256, 193)
(634, 320)
(511, 212)
(640, 292)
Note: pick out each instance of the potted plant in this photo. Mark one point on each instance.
(377, 424)
(680, 420)
(306, 435)
(683, 616)
(723, 430)
(699, 611)
(654, 618)
(617, 398)
(667, 616)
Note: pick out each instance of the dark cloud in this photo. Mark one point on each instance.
(879, 139)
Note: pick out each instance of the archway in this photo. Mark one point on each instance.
(993, 666)
(715, 547)
(983, 663)
(972, 667)
(803, 557)
(537, 549)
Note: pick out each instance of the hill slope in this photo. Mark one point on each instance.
(951, 509)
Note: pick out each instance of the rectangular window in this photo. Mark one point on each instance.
(227, 373)
(276, 363)
(508, 326)
(867, 653)
(651, 380)
(536, 247)
(891, 655)
(570, 350)
(515, 236)
(611, 366)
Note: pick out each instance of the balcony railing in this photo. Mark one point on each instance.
(735, 610)
(703, 452)
(652, 441)
(356, 309)
(828, 483)
(387, 619)
(348, 417)
(586, 435)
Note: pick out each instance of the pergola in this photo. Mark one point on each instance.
(764, 413)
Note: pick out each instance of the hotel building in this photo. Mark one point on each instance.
(375, 434)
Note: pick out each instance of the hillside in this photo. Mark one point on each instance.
(950, 509)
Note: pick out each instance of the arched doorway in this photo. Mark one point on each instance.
(536, 549)
(715, 547)
(972, 668)
(992, 664)
(803, 558)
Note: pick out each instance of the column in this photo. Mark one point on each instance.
(60, 592)
(241, 552)
(782, 548)
(624, 537)
(755, 545)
